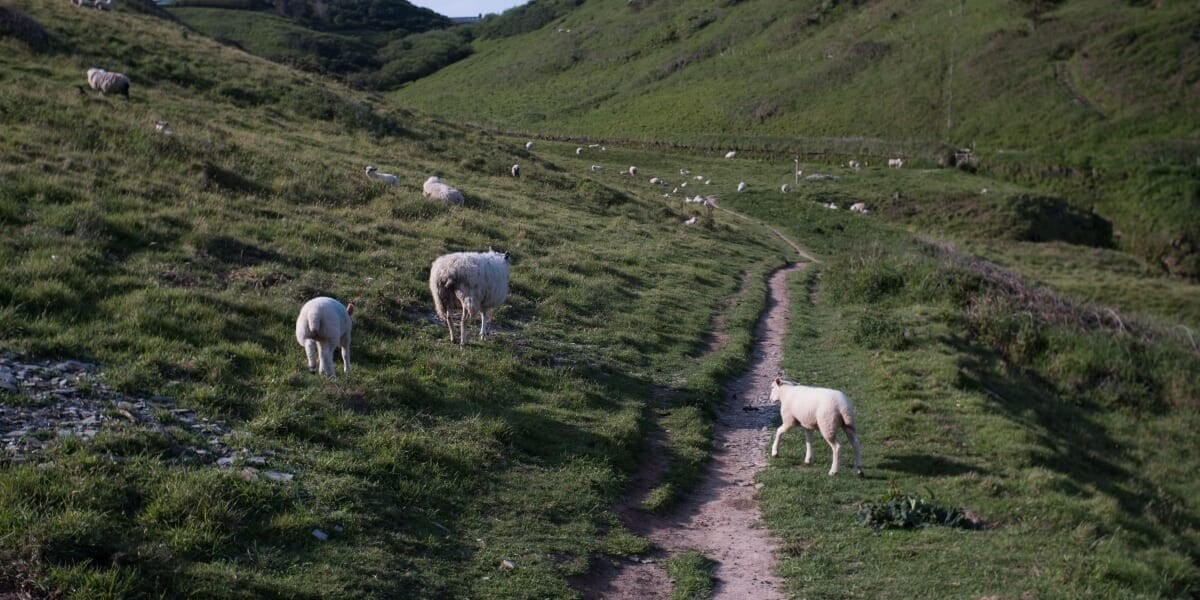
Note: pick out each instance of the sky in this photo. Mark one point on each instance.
(467, 8)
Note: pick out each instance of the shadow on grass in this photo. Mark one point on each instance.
(928, 465)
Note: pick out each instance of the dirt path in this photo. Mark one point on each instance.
(720, 518)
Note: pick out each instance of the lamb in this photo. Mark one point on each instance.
(816, 408)
(742, 186)
(896, 163)
(731, 154)
(478, 281)
(529, 145)
(785, 188)
(323, 325)
(515, 170)
(597, 168)
(373, 173)
(108, 83)
(860, 207)
(854, 164)
(437, 189)
(633, 170)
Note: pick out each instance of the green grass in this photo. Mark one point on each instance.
(691, 576)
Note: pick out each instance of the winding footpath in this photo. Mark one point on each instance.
(720, 518)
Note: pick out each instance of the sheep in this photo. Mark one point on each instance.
(859, 207)
(579, 150)
(675, 191)
(478, 281)
(162, 127)
(633, 170)
(707, 181)
(785, 188)
(437, 189)
(830, 206)
(515, 170)
(103, 4)
(373, 173)
(108, 83)
(323, 325)
(854, 164)
(742, 187)
(731, 154)
(896, 163)
(690, 221)
(529, 145)
(683, 172)
(699, 178)
(683, 185)
(816, 408)
(593, 145)
(597, 168)
(657, 181)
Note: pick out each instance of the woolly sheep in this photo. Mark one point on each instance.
(597, 168)
(528, 145)
(816, 408)
(683, 185)
(633, 170)
(699, 178)
(657, 181)
(108, 83)
(854, 164)
(707, 181)
(859, 207)
(785, 188)
(579, 150)
(675, 191)
(162, 127)
(515, 170)
(683, 171)
(742, 186)
(478, 281)
(323, 325)
(896, 163)
(373, 173)
(593, 145)
(690, 221)
(438, 190)
(103, 4)
(731, 154)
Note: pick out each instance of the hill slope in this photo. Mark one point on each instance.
(1091, 98)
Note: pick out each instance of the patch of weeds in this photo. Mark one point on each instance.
(902, 511)
(692, 575)
(880, 330)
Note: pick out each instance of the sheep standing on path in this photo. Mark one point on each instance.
(324, 324)
(478, 281)
(108, 83)
(816, 408)
(438, 190)
(373, 173)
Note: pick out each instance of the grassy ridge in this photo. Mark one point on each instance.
(178, 263)
(1088, 98)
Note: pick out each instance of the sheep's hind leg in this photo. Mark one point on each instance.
(857, 453)
(831, 437)
(345, 346)
(808, 454)
(326, 352)
(310, 351)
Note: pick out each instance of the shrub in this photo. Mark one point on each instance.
(16, 24)
(901, 511)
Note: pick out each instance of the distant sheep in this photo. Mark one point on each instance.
(633, 170)
(593, 145)
(103, 4)
(597, 168)
(373, 173)
(785, 188)
(742, 186)
(515, 170)
(657, 181)
(477, 281)
(579, 150)
(731, 154)
(816, 408)
(108, 83)
(854, 164)
(830, 206)
(438, 190)
(683, 171)
(690, 221)
(529, 145)
(707, 181)
(896, 163)
(860, 207)
(323, 325)
(162, 127)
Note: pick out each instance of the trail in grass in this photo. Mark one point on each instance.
(720, 518)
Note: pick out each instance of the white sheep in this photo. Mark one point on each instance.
(103, 4)
(597, 168)
(593, 145)
(108, 83)
(895, 163)
(731, 154)
(515, 170)
(478, 281)
(742, 186)
(633, 170)
(683, 171)
(690, 221)
(683, 185)
(437, 189)
(699, 178)
(162, 127)
(675, 191)
(579, 150)
(529, 145)
(373, 173)
(815, 408)
(323, 325)
(656, 181)
(707, 182)
(854, 164)
(860, 207)
(830, 206)
(785, 188)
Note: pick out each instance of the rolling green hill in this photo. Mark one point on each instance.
(1093, 99)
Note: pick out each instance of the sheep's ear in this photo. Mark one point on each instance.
(350, 309)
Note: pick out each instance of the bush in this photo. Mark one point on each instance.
(16, 24)
(901, 511)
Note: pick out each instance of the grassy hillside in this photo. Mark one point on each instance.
(1092, 99)
(178, 263)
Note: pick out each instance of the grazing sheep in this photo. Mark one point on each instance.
(437, 189)
(323, 325)
(830, 206)
(684, 171)
(657, 181)
(529, 145)
(675, 191)
(108, 83)
(707, 181)
(683, 185)
(373, 173)
(731, 154)
(895, 163)
(579, 150)
(690, 221)
(742, 186)
(859, 207)
(515, 170)
(816, 408)
(162, 127)
(597, 168)
(633, 170)
(785, 188)
(854, 164)
(478, 281)
(699, 178)
(593, 145)
(103, 4)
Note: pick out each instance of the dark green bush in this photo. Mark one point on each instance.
(901, 511)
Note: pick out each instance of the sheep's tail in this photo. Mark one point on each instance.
(443, 296)
(847, 417)
(350, 309)
(312, 322)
